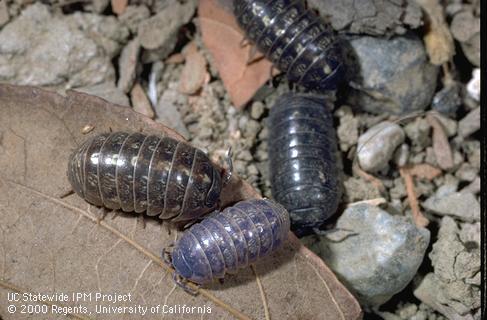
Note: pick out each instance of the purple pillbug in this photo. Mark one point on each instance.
(137, 172)
(302, 160)
(228, 240)
(297, 41)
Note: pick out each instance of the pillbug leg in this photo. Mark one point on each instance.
(167, 255)
(167, 227)
(228, 171)
(183, 284)
(336, 234)
(245, 42)
(101, 217)
(253, 57)
(67, 194)
(141, 218)
(115, 214)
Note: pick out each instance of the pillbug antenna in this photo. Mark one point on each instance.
(228, 171)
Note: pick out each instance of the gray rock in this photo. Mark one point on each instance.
(107, 91)
(463, 206)
(106, 31)
(401, 155)
(347, 131)
(376, 146)
(393, 75)
(450, 125)
(159, 33)
(470, 123)
(465, 28)
(127, 65)
(473, 187)
(431, 291)
(38, 48)
(448, 99)
(381, 255)
(168, 114)
(133, 16)
(467, 172)
(470, 232)
(97, 6)
(374, 17)
(357, 189)
(257, 110)
(418, 131)
(4, 15)
(450, 289)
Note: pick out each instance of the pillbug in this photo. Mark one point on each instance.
(294, 39)
(228, 240)
(302, 160)
(136, 172)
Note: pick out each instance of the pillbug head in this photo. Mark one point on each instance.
(76, 165)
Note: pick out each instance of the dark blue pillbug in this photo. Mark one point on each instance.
(228, 240)
(302, 160)
(296, 40)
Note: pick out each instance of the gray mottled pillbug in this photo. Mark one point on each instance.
(137, 172)
(296, 40)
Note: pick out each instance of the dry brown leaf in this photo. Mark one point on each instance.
(50, 244)
(438, 39)
(223, 38)
(441, 146)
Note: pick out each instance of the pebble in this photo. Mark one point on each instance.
(470, 123)
(473, 187)
(194, 74)
(97, 6)
(450, 125)
(401, 155)
(257, 110)
(28, 43)
(467, 172)
(473, 86)
(127, 65)
(106, 31)
(347, 131)
(140, 102)
(168, 114)
(133, 16)
(4, 15)
(160, 32)
(395, 75)
(419, 132)
(465, 28)
(357, 189)
(379, 258)
(441, 146)
(374, 17)
(462, 206)
(448, 99)
(376, 146)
